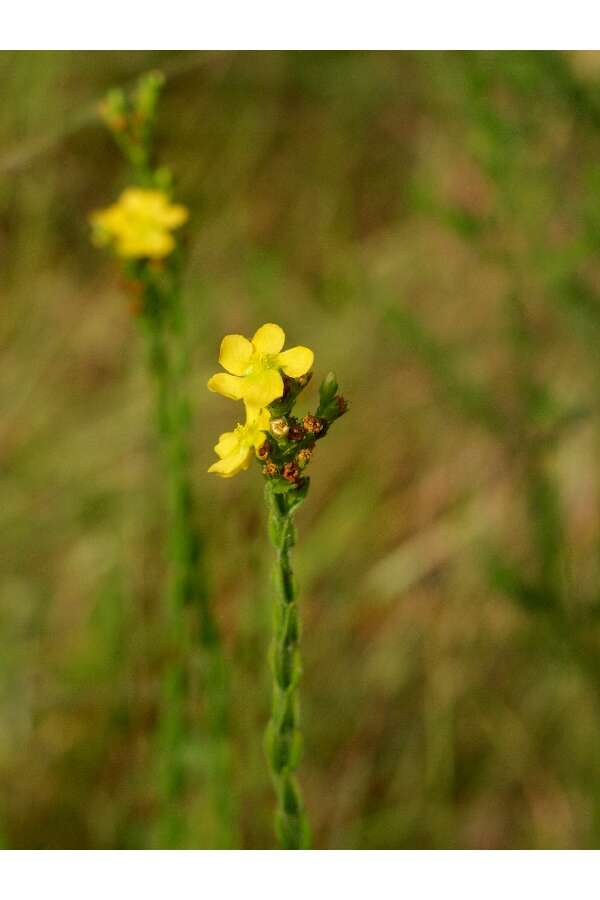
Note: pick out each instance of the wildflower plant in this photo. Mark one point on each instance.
(142, 230)
(269, 381)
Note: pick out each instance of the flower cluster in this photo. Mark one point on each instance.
(269, 380)
(139, 224)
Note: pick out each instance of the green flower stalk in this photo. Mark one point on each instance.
(140, 229)
(269, 381)
(283, 736)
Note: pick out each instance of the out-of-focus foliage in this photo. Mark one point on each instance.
(428, 223)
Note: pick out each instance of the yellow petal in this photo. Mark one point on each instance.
(174, 215)
(261, 389)
(137, 198)
(296, 362)
(227, 385)
(269, 339)
(227, 444)
(154, 244)
(252, 413)
(260, 436)
(257, 416)
(153, 205)
(232, 464)
(263, 419)
(235, 354)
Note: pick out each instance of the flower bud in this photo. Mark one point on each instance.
(304, 456)
(279, 427)
(296, 432)
(270, 470)
(113, 110)
(146, 95)
(264, 450)
(291, 472)
(328, 388)
(313, 424)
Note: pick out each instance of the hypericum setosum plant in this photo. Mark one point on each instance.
(269, 381)
(141, 229)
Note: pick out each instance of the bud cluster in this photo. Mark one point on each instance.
(289, 448)
(130, 117)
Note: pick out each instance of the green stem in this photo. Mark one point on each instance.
(194, 589)
(188, 610)
(173, 688)
(283, 738)
(192, 636)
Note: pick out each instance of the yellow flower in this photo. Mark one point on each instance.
(235, 447)
(139, 224)
(255, 366)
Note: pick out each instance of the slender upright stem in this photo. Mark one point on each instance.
(283, 738)
(172, 727)
(192, 638)
(189, 617)
(214, 681)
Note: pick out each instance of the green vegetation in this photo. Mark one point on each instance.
(429, 225)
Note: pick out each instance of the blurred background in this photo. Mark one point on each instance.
(429, 224)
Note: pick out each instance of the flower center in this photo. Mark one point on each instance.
(142, 224)
(259, 362)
